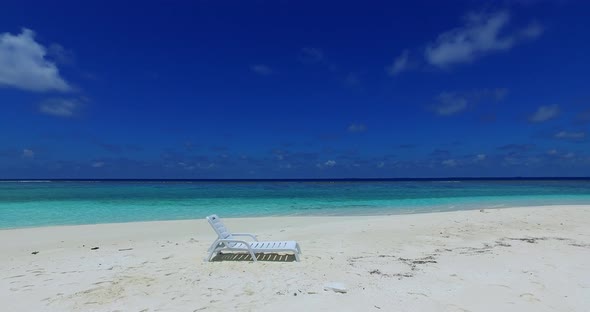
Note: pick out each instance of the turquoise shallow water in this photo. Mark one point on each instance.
(28, 204)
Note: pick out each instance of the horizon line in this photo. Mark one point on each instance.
(295, 179)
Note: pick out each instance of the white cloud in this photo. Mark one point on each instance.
(261, 69)
(500, 93)
(563, 155)
(570, 135)
(60, 54)
(28, 153)
(480, 35)
(569, 155)
(480, 157)
(312, 55)
(400, 64)
(206, 166)
(532, 31)
(60, 107)
(544, 113)
(327, 164)
(97, 164)
(450, 104)
(357, 127)
(552, 152)
(352, 80)
(449, 163)
(23, 64)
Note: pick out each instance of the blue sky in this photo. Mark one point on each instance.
(294, 89)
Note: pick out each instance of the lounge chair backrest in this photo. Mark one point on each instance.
(218, 226)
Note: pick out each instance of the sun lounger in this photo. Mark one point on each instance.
(228, 241)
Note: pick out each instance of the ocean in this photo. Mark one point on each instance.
(46, 203)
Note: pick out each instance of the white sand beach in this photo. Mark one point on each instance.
(513, 259)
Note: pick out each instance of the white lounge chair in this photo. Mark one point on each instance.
(227, 241)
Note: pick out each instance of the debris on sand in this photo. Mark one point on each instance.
(336, 287)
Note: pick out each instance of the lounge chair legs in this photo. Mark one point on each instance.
(211, 255)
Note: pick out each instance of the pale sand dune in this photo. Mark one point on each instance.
(518, 259)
